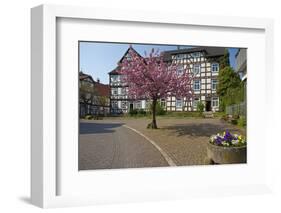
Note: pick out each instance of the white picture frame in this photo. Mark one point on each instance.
(44, 149)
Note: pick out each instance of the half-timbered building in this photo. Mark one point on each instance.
(93, 96)
(119, 100)
(202, 62)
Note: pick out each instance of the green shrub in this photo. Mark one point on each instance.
(219, 114)
(200, 107)
(159, 109)
(234, 121)
(184, 114)
(89, 117)
(141, 112)
(133, 112)
(242, 121)
(137, 112)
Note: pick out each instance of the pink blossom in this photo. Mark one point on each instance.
(153, 78)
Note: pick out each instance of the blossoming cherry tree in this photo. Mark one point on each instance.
(152, 78)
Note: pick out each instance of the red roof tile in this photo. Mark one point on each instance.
(102, 89)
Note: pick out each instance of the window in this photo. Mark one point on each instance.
(128, 57)
(114, 104)
(138, 105)
(114, 91)
(123, 91)
(180, 69)
(215, 102)
(196, 69)
(124, 104)
(178, 103)
(215, 67)
(195, 102)
(114, 78)
(214, 84)
(163, 103)
(196, 84)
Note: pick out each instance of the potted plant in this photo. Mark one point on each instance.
(227, 148)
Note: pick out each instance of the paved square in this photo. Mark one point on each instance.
(108, 144)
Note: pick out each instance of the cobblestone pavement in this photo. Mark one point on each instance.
(183, 139)
(109, 145)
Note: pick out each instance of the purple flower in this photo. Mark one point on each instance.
(218, 140)
(227, 137)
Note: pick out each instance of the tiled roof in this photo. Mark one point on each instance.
(102, 89)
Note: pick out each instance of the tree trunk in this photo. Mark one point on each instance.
(153, 123)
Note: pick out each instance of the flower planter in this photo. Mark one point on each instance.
(227, 155)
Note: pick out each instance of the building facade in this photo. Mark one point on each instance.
(94, 97)
(203, 62)
(241, 63)
(119, 100)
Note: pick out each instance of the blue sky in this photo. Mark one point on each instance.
(98, 59)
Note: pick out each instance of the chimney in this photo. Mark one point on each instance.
(98, 80)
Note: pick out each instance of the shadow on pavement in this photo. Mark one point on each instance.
(96, 128)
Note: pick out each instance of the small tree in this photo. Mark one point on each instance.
(102, 101)
(152, 78)
(227, 79)
(229, 84)
(87, 94)
(224, 60)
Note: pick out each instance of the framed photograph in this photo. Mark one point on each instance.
(131, 106)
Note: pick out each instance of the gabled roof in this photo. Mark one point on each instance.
(116, 70)
(132, 49)
(83, 76)
(210, 52)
